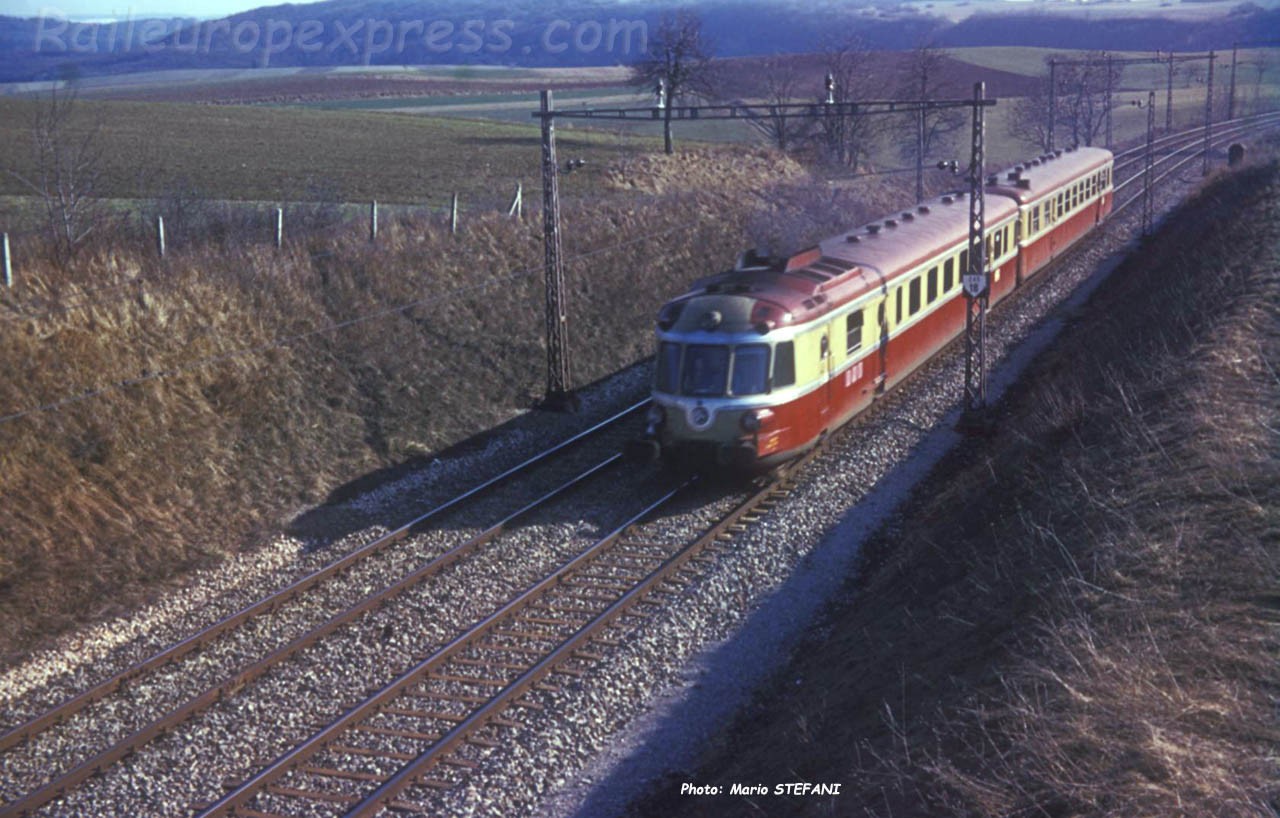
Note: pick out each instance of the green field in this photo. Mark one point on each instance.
(290, 154)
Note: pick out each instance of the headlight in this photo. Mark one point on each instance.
(755, 419)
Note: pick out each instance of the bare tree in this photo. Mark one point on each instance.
(925, 80)
(679, 56)
(1262, 63)
(1079, 100)
(1082, 94)
(67, 169)
(847, 137)
(782, 85)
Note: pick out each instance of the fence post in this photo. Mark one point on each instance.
(8, 263)
(517, 204)
(373, 221)
(160, 235)
(453, 215)
(279, 227)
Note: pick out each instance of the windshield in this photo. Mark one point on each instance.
(667, 368)
(706, 370)
(751, 369)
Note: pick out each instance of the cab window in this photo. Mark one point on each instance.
(750, 369)
(784, 364)
(667, 367)
(706, 370)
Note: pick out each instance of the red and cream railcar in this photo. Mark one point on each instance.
(756, 364)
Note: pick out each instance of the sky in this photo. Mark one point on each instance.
(126, 9)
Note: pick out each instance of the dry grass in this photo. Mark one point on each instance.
(226, 402)
(1077, 618)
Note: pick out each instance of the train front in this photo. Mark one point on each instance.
(715, 381)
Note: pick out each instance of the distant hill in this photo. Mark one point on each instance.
(565, 33)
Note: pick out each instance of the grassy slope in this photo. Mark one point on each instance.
(106, 497)
(1077, 617)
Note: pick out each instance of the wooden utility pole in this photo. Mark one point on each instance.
(1148, 170)
(1208, 114)
(558, 378)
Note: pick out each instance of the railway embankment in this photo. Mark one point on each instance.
(164, 418)
(1078, 615)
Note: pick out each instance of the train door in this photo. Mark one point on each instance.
(1019, 231)
(827, 359)
(881, 358)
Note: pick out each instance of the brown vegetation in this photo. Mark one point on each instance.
(169, 411)
(1078, 616)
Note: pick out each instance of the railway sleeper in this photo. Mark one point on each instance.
(311, 795)
(390, 755)
(529, 636)
(542, 620)
(395, 732)
(350, 775)
(516, 666)
(520, 649)
(469, 680)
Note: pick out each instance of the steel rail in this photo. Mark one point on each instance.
(1195, 136)
(287, 594)
(1178, 165)
(238, 797)
(386, 793)
(1197, 132)
(213, 695)
(1194, 149)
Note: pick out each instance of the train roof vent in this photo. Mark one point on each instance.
(890, 222)
(820, 298)
(808, 302)
(834, 266)
(812, 275)
(1057, 153)
(922, 209)
(908, 216)
(1019, 168)
(992, 179)
(852, 238)
(873, 229)
(1013, 176)
(1036, 161)
(754, 260)
(947, 199)
(1025, 184)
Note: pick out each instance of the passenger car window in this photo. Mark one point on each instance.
(853, 332)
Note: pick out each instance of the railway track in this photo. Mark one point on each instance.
(136, 675)
(430, 724)
(435, 722)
